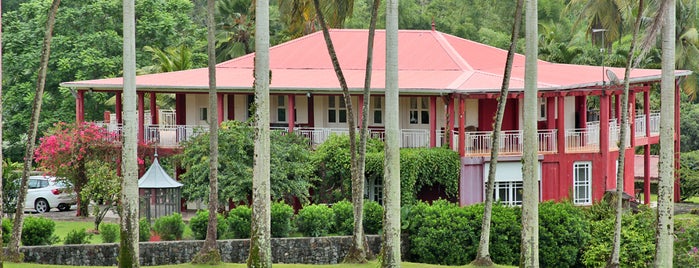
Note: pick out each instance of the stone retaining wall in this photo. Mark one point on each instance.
(310, 250)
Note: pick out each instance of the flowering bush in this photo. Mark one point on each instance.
(65, 150)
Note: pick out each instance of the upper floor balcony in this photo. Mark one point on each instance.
(476, 143)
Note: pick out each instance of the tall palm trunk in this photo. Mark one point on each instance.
(391, 219)
(128, 249)
(13, 252)
(664, 234)
(614, 258)
(209, 252)
(260, 246)
(2, 205)
(483, 254)
(530, 193)
(359, 252)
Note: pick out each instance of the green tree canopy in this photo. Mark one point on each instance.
(291, 170)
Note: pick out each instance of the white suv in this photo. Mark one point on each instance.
(46, 192)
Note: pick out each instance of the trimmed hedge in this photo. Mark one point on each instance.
(200, 222)
(344, 217)
(315, 220)
(169, 227)
(38, 231)
(563, 233)
(238, 222)
(281, 219)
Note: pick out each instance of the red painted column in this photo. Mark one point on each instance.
(291, 117)
(599, 182)
(550, 112)
(180, 109)
(677, 142)
(141, 116)
(433, 121)
(360, 108)
(560, 134)
(646, 174)
(118, 108)
(462, 128)
(450, 122)
(230, 115)
(80, 107)
(153, 109)
(646, 110)
(617, 107)
(632, 118)
(219, 107)
(310, 108)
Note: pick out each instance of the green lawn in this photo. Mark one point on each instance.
(63, 227)
(240, 265)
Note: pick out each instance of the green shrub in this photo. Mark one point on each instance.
(200, 222)
(77, 237)
(281, 219)
(638, 236)
(373, 217)
(344, 217)
(238, 222)
(687, 234)
(143, 230)
(563, 232)
(169, 227)
(315, 220)
(109, 232)
(38, 231)
(6, 230)
(444, 233)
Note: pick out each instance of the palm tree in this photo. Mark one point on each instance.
(604, 14)
(128, 249)
(664, 234)
(530, 193)
(260, 247)
(359, 252)
(234, 36)
(13, 252)
(209, 252)
(1, 161)
(483, 254)
(301, 15)
(169, 60)
(391, 227)
(687, 50)
(614, 258)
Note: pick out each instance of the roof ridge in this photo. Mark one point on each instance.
(451, 51)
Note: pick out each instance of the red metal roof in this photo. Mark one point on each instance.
(429, 62)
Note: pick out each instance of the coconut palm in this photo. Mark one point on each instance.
(610, 15)
(530, 176)
(483, 254)
(128, 249)
(664, 234)
(391, 227)
(260, 246)
(13, 252)
(301, 16)
(209, 252)
(169, 60)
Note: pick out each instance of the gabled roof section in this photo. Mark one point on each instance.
(430, 62)
(156, 177)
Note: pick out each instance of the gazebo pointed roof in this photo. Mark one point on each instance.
(156, 177)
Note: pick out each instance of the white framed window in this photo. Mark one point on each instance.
(203, 113)
(377, 110)
(281, 108)
(582, 183)
(542, 109)
(508, 192)
(419, 110)
(337, 110)
(374, 189)
(508, 187)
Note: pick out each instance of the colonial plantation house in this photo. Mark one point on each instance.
(449, 88)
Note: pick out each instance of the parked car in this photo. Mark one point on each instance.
(46, 192)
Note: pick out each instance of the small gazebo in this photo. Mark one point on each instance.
(159, 194)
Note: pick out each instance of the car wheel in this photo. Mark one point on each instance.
(41, 205)
(63, 207)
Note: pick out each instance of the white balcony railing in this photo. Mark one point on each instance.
(476, 142)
